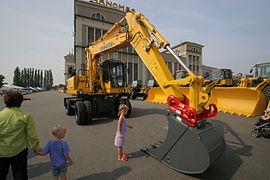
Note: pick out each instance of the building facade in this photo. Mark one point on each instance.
(192, 52)
(93, 18)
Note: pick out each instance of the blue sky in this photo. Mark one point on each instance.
(235, 33)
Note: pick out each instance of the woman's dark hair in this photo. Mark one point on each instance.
(13, 99)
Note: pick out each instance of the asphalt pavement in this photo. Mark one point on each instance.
(95, 156)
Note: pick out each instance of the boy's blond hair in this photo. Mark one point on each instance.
(58, 129)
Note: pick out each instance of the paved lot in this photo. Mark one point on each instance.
(95, 156)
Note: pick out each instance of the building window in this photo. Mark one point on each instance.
(129, 49)
(170, 66)
(177, 52)
(97, 34)
(94, 34)
(98, 16)
(130, 72)
(136, 70)
(91, 35)
(104, 32)
(176, 67)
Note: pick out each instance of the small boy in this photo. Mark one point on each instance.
(59, 153)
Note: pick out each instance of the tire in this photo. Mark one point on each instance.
(88, 111)
(256, 133)
(68, 109)
(80, 113)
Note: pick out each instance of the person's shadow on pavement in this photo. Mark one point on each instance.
(115, 174)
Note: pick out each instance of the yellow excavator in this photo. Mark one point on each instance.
(224, 77)
(192, 143)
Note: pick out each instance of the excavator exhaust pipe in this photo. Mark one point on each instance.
(186, 149)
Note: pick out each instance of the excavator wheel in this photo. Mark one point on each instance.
(80, 113)
(68, 109)
(88, 111)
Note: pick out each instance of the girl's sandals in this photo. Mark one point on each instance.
(123, 157)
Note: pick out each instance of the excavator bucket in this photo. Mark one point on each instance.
(156, 95)
(186, 149)
(236, 100)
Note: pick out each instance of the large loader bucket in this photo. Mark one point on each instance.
(186, 149)
(241, 101)
(156, 95)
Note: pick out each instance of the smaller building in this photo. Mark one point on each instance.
(69, 66)
(192, 52)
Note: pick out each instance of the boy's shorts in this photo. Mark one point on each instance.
(59, 169)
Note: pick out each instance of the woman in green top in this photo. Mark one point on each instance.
(17, 133)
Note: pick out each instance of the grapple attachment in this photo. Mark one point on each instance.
(189, 149)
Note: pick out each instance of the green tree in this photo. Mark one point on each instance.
(51, 78)
(41, 79)
(2, 80)
(16, 77)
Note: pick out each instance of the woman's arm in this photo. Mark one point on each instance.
(31, 133)
(40, 152)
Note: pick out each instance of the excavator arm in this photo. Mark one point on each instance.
(136, 31)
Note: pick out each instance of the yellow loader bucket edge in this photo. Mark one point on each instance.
(236, 100)
(156, 95)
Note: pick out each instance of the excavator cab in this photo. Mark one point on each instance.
(224, 76)
(113, 72)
